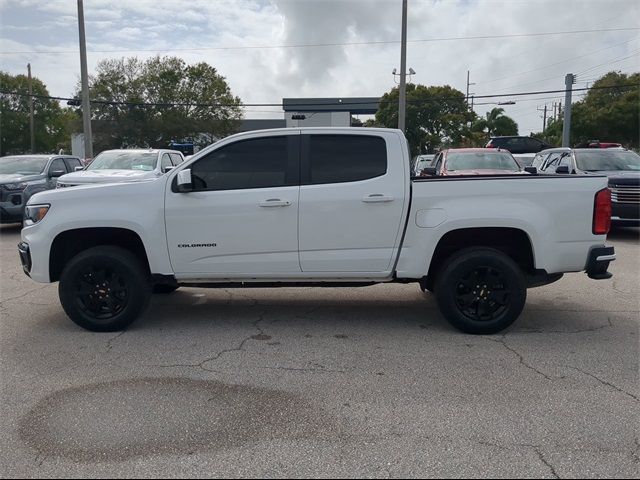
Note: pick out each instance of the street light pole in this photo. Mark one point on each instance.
(403, 70)
(86, 109)
(569, 80)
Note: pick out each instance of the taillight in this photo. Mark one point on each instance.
(602, 212)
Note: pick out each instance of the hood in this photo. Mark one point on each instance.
(483, 171)
(17, 178)
(106, 176)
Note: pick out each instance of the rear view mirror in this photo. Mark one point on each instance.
(77, 169)
(563, 169)
(531, 170)
(184, 182)
(429, 171)
(168, 168)
(56, 173)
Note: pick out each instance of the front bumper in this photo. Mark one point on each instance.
(598, 263)
(625, 214)
(12, 210)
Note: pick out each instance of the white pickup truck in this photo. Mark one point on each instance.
(322, 207)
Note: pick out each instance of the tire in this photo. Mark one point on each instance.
(163, 288)
(481, 290)
(424, 288)
(104, 289)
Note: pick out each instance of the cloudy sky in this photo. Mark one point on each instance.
(253, 44)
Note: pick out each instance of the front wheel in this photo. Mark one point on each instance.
(104, 289)
(481, 290)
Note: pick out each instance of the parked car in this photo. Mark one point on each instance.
(622, 167)
(422, 161)
(473, 161)
(317, 206)
(113, 166)
(598, 144)
(21, 176)
(516, 144)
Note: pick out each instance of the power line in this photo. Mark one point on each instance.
(337, 44)
(308, 104)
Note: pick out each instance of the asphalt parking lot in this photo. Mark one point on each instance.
(305, 382)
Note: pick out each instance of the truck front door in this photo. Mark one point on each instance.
(242, 216)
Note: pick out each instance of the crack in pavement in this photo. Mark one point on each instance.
(584, 330)
(217, 356)
(28, 292)
(112, 339)
(535, 448)
(322, 369)
(604, 382)
(503, 342)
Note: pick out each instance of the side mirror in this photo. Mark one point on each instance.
(77, 169)
(429, 171)
(56, 173)
(531, 170)
(168, 168)
(563, 169)
(184, 182)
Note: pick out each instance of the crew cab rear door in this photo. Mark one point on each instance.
(352, 200)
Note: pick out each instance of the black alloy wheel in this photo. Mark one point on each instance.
(104, 288)
(480, 290)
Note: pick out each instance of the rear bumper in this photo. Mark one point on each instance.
(598, 262)
(625, 213)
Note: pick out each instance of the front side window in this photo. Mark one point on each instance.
(256, 163)
(119, 160)
(538, 160)
(57, 166)
(176, 159)
(345, 158)
(481, 161)
(166, 161)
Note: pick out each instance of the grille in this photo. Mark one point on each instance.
(625, 193)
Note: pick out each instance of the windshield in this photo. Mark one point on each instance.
(22, 165)
(607, 160)
(145, 161)
(481, 161)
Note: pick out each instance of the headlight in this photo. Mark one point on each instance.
(34, 213)
(15, 186)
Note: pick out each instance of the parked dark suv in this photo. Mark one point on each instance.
(518, 144)
(21, 176)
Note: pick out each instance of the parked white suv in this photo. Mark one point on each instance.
(129, 165)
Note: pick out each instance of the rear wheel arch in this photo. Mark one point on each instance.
(513, 242)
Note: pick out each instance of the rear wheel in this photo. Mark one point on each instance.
(481, 290)
(104, 289)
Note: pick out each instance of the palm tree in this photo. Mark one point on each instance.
(496, 123)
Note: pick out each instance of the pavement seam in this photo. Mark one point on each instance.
(604, 382)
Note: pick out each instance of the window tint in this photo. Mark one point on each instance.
(346, 158)
(72, 163)
(56, 165)
(176, 159)
(255, 163)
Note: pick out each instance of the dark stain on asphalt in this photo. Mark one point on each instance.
(116, 421)
(262, 337)
(341, 336)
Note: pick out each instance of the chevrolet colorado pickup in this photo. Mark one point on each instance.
(320, 207)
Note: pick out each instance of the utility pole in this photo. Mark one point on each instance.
(468, 85)
(544, 121)
(31, 124)
(403, 70)
(86, 109)
(559, 110)
(569, 80)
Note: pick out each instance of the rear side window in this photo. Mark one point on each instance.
(256, 163)
(176, 159)
(345, 158)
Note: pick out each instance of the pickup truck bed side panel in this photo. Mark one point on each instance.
(556, 213)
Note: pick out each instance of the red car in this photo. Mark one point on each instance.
(473, 161)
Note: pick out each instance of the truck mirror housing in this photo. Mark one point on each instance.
(531, 170)
(184, 182)
(563, 169)
(429, 171)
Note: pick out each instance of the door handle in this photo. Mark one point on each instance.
(274, 202)
(377, 198)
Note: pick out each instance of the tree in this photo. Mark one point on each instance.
(51, 122)
(436, 116)
(608, 114)
(183, 102)
(496, 123)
